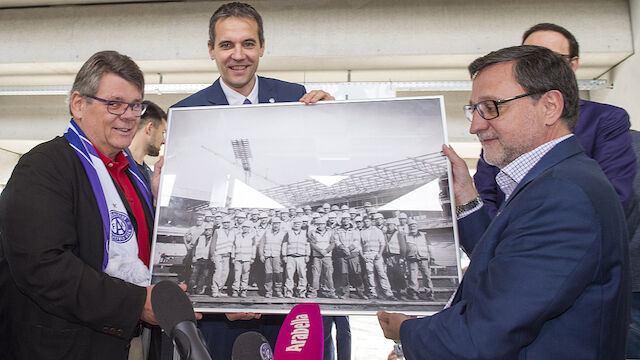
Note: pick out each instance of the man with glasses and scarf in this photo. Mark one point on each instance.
(76, 224)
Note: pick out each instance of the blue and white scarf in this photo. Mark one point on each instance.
(120, 242)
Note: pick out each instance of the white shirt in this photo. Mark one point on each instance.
(235, 98)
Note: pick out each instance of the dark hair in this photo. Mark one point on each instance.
(88, 77)
(537, 70)
(235, 9)
(574, 48)
(153, 114)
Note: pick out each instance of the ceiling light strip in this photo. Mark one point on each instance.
(160, 89)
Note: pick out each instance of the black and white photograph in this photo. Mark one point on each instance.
(342, 203)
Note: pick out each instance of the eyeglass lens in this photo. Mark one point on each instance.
(486, 109)
(119, 108)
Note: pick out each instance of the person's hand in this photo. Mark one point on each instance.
(463, 186)
(392, 356)
(155, 177)
(242, 316)
(149, 316)
(390, 324)
(314, 96)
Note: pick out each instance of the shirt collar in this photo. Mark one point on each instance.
(120, 163)
(510, 176)
(235, 98)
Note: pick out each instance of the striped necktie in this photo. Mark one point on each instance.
(246, 101)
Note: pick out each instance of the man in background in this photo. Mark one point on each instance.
(149, 137)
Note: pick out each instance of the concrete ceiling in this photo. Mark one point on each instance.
(334, 41)
(40, 3)
(45, 43)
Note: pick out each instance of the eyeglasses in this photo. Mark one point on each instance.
(119, 107)
(488, 109)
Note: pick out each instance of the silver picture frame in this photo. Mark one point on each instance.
(379, 160)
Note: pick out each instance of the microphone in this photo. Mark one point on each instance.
(174, 313)
(251, 346)
(301, 336)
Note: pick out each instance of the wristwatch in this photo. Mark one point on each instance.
(468, 206)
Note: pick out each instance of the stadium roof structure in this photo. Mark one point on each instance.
(411, 171)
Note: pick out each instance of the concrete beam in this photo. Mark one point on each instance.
(378, 40)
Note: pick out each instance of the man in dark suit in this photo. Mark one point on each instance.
(549, 276)
(236, 43)
(76, 225)
(602, 130)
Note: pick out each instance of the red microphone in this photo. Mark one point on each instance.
(301, 335)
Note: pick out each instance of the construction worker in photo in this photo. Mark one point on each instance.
(418, 258)
(220, 253)
(243, 255)
(296, 250)
(321, 240)
(270, 252)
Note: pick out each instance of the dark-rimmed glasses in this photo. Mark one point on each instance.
(115, 107)
(488, 109)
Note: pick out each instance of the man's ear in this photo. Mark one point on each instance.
(574, 63)
(553, 105)
(210, 47)
(77, 104)
(148, 128)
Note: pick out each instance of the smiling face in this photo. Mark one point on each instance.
(517, 130)
(237, 51)
(107, 132)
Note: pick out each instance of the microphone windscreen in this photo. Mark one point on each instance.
(170, 305)
(251, 346)
(301, 335)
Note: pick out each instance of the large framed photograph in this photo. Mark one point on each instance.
(343, 203)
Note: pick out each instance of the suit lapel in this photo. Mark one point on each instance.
(266, 92)
(216, 96)
(558, 153)
(561, 151)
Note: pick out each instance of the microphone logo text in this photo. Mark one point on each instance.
(300, 333)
